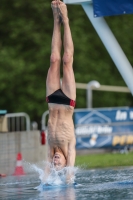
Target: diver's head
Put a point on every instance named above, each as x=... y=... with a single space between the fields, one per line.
x=59 y=160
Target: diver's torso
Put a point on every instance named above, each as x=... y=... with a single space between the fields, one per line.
x=60 y=127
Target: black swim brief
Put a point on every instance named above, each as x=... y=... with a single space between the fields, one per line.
x=60 y=98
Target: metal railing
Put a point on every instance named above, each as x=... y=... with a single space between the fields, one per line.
x=18 y=122
x=107 y=88
x=95 y=85
x=45 y=114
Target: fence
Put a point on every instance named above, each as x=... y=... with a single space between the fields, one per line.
x=18 y=122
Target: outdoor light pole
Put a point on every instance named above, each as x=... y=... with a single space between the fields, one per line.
x=90 y=86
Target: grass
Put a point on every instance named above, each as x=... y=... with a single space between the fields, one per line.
x=104 y=160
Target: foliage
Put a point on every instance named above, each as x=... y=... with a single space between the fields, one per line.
x=25 y=42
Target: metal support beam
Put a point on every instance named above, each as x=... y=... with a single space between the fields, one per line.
x=111 y=45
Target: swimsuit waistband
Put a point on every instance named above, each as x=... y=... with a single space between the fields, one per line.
x=60 y=98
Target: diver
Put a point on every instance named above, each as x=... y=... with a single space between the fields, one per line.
x=61 y=95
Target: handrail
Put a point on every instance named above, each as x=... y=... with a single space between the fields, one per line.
x=44 y=119
x=104 y=88
x=22 y=114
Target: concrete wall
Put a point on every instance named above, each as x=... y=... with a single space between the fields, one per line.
x=27 y=143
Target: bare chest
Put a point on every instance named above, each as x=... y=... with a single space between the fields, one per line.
x=61 y=133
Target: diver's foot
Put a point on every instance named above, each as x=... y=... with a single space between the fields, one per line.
x=55 y=9
x=63 y=11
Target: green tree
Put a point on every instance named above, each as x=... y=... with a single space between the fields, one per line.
x=25 y=43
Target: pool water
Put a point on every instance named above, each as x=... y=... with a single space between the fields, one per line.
x=99 y=184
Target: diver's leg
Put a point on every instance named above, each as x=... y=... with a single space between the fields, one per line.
x=53 y=76
x=68 y=81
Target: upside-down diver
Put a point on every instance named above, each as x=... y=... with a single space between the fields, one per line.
x=61 y=96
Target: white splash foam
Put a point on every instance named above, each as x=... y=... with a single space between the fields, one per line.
x=55 y=178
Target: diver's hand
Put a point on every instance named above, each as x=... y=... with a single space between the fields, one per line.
x=69 y=179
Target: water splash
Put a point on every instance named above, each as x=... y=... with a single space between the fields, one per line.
x=56 y=178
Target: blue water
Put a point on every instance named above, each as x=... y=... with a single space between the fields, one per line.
x=100 y=184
